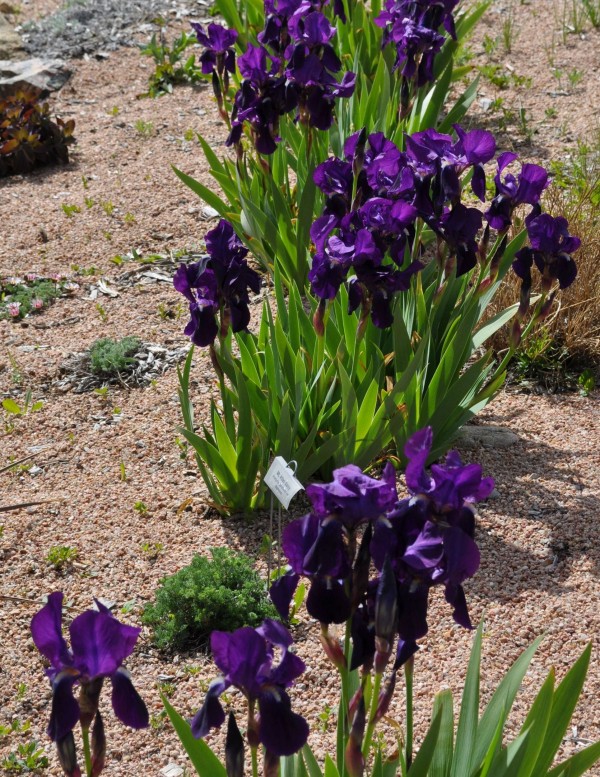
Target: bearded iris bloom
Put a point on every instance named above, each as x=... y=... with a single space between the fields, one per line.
x=320 y=545
x=219 y=54
x=512 y=191
x=428 y=537
x=246 y=658
x=99 y=645
x=217 y=284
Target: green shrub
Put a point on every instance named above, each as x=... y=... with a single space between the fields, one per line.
x=224 y=593
x=111 y=357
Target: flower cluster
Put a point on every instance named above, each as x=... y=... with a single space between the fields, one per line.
x=294 y=68
x=217 y=285
x=376 y=193
x=246 y=658
x=99 y=645
x=413 y=28
x=416 y=543
x=374 y=197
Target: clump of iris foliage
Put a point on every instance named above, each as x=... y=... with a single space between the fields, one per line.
x=370 y=560
x=110 y=357
x=223 y=591
x=365 y=203
x=30 y=294
x=28 y=136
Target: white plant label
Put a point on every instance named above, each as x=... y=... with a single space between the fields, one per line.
x=281 y=480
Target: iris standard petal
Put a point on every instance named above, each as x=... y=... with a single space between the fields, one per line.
x=101 y=643
x=46 y=630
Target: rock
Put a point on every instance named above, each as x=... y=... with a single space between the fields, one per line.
x=488 y=436
x=47 y=76
x=11 y=46
x=171 y=770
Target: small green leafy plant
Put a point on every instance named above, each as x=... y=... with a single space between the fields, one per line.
x=30 y=294
x=172 y=65
x=28 y=758
x=222 y=592
x=61 y=557
x=110 y=357
x=28 y=136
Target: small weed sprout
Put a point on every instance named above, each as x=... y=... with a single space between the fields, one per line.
x=129 y=218
x=89 y=202
x=509 y=31
x=575 y=77
x=21 y=691
x=140 y=507
x=189 y=135
x=101 y=310
x=152 y=550
x=114 y=111
x=61 y=557
x=122 y=472
x=144 y=128
x=70 y=210
x=107 y=206
x=28 y=758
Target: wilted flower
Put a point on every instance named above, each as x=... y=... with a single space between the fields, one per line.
x=99 y=645
x=246 y=658
x=217 y=284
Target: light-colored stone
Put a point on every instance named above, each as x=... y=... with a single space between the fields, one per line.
x=488 y=436
x=47 y=76
x=172 y=770
x=11 y=46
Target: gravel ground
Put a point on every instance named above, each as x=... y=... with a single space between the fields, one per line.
x=540 y=552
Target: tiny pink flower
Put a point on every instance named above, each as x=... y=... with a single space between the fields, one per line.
x=14 y=309
x=37 y=304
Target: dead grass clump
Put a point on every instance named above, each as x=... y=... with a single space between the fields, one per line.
x=574 y=325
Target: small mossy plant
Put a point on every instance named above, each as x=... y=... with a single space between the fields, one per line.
x=110 y=357
x=223 y=592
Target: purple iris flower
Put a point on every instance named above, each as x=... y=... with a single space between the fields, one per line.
x=428 y=537
x=320 y=545
x=511 y=191
x=550 y=251
x=459 y=227
x=374 y=288
x=246 y=658
x=218 y=42
x=216 y=284
x=99 y=645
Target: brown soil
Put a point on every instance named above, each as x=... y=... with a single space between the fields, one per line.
x=540 y=556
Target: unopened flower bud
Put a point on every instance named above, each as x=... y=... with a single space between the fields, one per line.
x=89 y=695
x=98 y=746
x=319 y=318
x=360 y=572
x=546 y=307
x=385 y=697
x=359 y=152
x=270 y=765
x=386 y=615
x=354 y=759
x=67 y=755
x=333 y=649
x=234 y=749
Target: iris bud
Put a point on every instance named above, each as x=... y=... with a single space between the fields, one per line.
x=234 y=749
